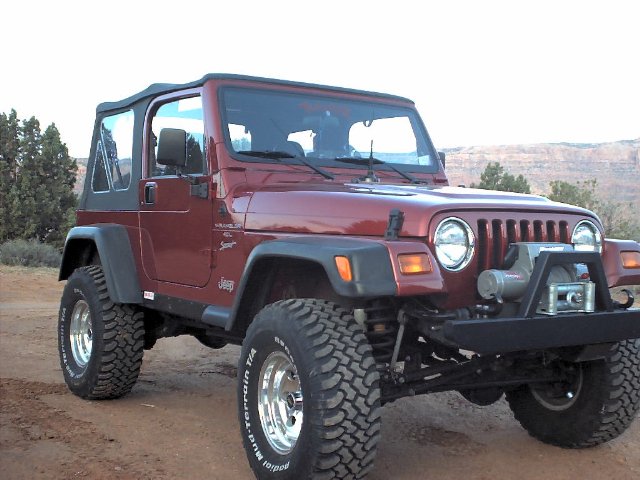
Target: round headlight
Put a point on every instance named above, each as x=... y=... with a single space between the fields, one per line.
x=586 y=237
x=455 y=243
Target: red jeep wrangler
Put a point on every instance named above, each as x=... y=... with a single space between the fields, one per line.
x=315 y=226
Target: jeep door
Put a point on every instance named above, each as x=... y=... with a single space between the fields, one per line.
x=175 y=213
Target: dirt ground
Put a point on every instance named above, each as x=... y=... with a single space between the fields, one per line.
x=179 y=422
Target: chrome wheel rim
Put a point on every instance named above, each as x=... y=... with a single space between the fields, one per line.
x=560 y=396
x=81 y=333
x=280 y=402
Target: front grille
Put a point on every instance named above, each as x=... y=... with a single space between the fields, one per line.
x=494 y=237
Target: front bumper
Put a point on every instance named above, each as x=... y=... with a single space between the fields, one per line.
x=504 y=335
x=529 y=331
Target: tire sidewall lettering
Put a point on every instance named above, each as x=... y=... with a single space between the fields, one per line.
x=74 y=291
x=117 y=338
x=270 y=461
x=338 y=380
x=249 y=423
x=74 y=371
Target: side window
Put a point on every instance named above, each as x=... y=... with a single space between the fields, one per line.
x=100 y=182
x=240 y=137
x=304 y=138
x=184 y=114
x=112 y=169
x=393 y=140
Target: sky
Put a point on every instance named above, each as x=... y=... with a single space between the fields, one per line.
x=481 y=72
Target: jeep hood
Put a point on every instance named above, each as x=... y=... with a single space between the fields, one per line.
x=363 y=209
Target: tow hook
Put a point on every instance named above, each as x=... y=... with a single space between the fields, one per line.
x=628 y=303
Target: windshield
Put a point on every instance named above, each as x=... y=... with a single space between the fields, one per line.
x=323 y=130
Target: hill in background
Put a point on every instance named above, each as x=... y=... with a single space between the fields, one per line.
x=616 y=166
x=80 y=176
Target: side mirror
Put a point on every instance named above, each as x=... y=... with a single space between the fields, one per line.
x=172 y=147
x=443 y=158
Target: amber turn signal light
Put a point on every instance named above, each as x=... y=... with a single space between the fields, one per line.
x=630 y=259
x=344 y=268
x=414 y=263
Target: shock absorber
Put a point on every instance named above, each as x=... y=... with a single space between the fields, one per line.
x=381 y=329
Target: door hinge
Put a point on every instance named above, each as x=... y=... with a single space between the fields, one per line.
x=200 y=190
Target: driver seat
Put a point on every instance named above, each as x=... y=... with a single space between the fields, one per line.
x=294 y=148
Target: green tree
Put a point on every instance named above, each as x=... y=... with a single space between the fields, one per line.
x=490 y=177
x=495 y=177
x=617 y=218
x=241 y=144
x=37 y=176
x=9 y=141
x=25 y=190
x=56 y=204
x=580 y=194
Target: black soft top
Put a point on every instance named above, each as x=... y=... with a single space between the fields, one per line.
x=162 y=88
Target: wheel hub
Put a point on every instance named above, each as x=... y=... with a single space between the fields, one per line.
x=81 y=333
x=560 y=395
x=280 y=402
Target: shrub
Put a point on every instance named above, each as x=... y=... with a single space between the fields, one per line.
x=29 y=253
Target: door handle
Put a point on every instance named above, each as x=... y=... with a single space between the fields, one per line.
x=150 y=193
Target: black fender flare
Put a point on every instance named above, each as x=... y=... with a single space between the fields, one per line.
x=370 y=265
x=118 y=263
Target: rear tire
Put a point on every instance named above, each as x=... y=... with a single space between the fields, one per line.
x=596 y=406
x=100 y=342
x=308 y=393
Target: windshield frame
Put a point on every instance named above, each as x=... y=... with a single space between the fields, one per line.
x=408 y=108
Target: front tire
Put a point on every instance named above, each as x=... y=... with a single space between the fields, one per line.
x=596 y=405
x=100 y=342
x=308 y=393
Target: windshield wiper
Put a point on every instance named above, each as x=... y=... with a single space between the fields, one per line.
x=406 y=175
x=375 y=161
x=280 y=155
x=274 y=154
x=358 y=161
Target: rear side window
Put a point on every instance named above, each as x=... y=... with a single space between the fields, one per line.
x=100 y=182
x=114 y=152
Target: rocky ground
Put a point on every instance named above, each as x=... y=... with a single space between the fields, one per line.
x=179 y=422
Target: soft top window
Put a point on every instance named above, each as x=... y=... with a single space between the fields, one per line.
x=113 y=153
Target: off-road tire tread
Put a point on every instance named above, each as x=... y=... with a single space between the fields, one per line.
x=349 y=408
x=121 y=359
x=613 y=416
